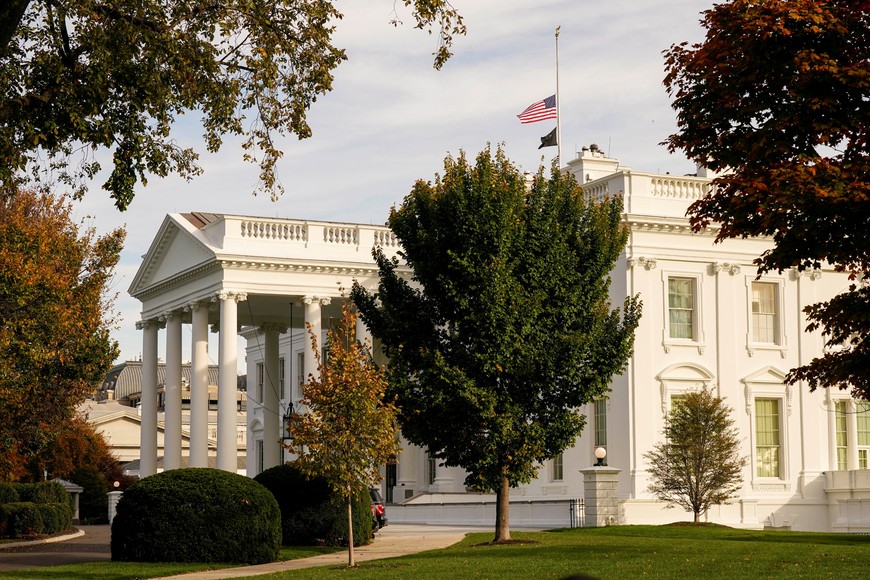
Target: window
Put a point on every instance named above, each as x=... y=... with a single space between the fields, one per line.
x=430 y=469
x=261 y=374
x=840 y=428
x=863 y=435
x=558 y=467
x=764 y=315
x=600 y=422
x=681 y=308
x=300 y=369
x=767 y=438
x=281 y=378
x=259 y=456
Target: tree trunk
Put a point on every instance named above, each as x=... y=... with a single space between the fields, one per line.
x=350 y=560
x=11 y=13
x=697 y=517
x=502 y=511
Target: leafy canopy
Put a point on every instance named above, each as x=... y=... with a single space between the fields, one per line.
x=698 y=465
x=54 y=328
x=82 y=75
x=777 y=98
x=505 y=327
x=348 y=428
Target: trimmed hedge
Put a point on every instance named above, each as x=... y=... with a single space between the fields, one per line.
x=94 y=499
x=196 y=515
x=42 y=492
x=19 y=519
x=311 y=514
x=8 y=494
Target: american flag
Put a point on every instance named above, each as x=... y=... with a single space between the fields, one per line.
x=540 y=111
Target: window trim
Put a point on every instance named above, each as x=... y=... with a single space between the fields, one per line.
x=697 y=340
x=780 y=338
x=558 y=470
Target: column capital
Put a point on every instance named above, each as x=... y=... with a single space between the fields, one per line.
x=170 y=315
x=154 y=322
x=230 y=295
x=648 y=263
x=323 y=300
x=732 y=269
x=273 y=327
x=197 y=304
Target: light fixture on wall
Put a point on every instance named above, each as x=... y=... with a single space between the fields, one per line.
x=287 y=435
x=600 y=455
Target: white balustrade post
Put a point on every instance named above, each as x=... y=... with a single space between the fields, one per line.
x=148 y=401
x=172 y=393
x=199 y=386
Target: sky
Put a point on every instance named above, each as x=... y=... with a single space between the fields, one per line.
x=391 y=118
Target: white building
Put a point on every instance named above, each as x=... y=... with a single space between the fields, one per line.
x=707 y=322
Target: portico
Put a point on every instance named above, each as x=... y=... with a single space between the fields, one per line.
x=270 y=277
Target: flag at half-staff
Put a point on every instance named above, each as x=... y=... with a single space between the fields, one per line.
x=539 y=111
x=549 y=140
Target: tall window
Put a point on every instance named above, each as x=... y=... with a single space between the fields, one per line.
x=681 y=308
x=281 y=378
x=600 y=416
x=863 y=435
x=558 y=467
x=259 y=456
x=840 y=427
x=300 y=368
x=261 y=375
x=764 y=319
x=768 y=444
x=430 y=469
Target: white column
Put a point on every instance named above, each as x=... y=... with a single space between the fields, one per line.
x=406 y=471
x=199 y=386
x=364 y=336
x=271 y=405
x=852 y=434
x=172 y=393
x=443 y=477
x=227 y=428
x=313 y=325
x=832 y=430
x=148 y=403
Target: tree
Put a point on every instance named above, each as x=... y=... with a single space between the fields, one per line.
x=777 y=98
x=54 y=327
x=699 y=464
x=505 y=328
x=349 y=428
x=79 y=75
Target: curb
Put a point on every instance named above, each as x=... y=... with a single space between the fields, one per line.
x=76 y=534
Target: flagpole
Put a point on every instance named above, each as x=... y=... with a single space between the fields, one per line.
x=558 y=104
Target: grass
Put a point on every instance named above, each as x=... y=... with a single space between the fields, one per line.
x=616 y=552
x=629 y=552
x=135 y=570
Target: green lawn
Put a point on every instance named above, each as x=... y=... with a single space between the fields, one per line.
x=631 y=552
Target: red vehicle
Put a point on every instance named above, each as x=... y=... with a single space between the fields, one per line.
x=379 y=514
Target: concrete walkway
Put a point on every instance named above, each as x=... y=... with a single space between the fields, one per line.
x=91 y=544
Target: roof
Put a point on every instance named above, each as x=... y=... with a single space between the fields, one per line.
x=126 y=378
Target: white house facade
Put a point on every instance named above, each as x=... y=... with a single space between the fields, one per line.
x=707 y=322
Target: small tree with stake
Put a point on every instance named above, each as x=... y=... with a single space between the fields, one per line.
x=348 y=429
x=699 y=464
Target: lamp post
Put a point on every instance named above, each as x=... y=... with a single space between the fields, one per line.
x=286 y=433
x=600 y=455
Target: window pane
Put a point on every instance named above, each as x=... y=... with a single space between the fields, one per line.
x=863 y=410
x=681 y=305
x=557 y=468
x=764 y=312
x=600 y=422
x=840 y=422
x=767 y=446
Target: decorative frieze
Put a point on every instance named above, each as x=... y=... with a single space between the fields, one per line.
x=732 y=269
x=646 y=263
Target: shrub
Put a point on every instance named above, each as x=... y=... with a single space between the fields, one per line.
x=25 y=518
x=311 y=514
x=93 y=501
x=196 y=515
x=42 y=492
x=8 y=493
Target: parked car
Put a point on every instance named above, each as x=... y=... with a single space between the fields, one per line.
x=379 y=514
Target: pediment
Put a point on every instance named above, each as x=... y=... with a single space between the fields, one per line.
x=769 y=375
x=686 y=372
x=174 y=251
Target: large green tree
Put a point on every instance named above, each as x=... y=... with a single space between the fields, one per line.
x=348 y=427
x=55 y=319
x=698 y=465
x=81 y=75
x=505 y=328
x=777 y=98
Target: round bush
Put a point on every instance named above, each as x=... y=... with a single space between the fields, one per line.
x=311 y=514
x=196 y=515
